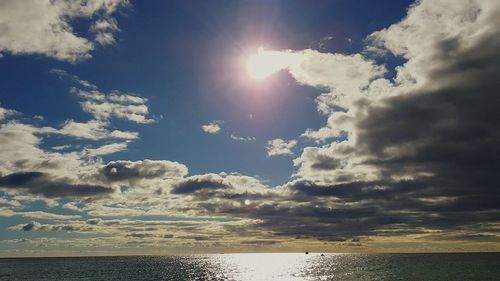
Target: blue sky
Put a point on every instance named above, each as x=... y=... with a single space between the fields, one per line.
x=175 y=54
x=133 y=120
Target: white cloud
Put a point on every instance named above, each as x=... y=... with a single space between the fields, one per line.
x=116 y=104
x=212 y=127
x=4 y=113
x=61 y=147
x=93 y=130
x=242 y=139
x=103 y=107
x=345 y=75
x=338 y=122
x=12 y=203
x=71 y=206
x=280 y=147
x=43 y=27
x=5 y=212
x=104 y=29
x=105 y=149
x=427 y=25
x=354 y=82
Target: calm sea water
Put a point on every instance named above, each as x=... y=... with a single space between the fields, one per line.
x=258 y=267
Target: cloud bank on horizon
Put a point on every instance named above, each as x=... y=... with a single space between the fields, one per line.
x=407 y=159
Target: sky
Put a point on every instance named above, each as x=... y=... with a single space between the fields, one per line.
x=174 y=127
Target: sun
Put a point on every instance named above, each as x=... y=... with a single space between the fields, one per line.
x=263 y=64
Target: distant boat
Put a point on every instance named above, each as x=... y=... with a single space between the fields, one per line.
x=322 y=255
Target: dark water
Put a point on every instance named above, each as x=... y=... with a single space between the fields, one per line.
x=258 y=267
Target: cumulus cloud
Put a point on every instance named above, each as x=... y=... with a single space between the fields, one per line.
x=339 y=123
x=419 y=151
x=196 y=183
x=44 y=27
x=221 y=193
x=212 y=127
x=116 y=171
x=280 y=147
x=44 y=184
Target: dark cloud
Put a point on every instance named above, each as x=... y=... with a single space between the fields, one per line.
x=325 y=162
x=45 y=184
x=446 y=137
x=260 y=242
x=139 y=235
x=436 y=148
x=197 y=237
x=192 y=185
x=94 y=221
x=30 y=226
x=146 y=169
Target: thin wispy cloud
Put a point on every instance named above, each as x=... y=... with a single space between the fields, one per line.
x=235 y=137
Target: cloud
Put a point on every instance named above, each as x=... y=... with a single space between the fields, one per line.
x=4 y=212
x=4 y=113
x=197 y=183
x=213 y=194
x=36 y=226
x=116 y=104
x=105 y=149
x=280 y=147
x=64 y=74
x=420 y=150
x=102 y=106
x=242 y=139
x=338 y=123
x=322 y=43
x=212 y=127
x=44 y=184
x=346 y=74
x=31 y=226
x=93 y=130
x=104 y=29
x=117 y=171
x=11 y=203
x=44 y=27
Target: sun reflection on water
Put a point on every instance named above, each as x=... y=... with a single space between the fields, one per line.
x=273 y=266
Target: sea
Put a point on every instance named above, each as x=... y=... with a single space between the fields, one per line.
x=275 y=266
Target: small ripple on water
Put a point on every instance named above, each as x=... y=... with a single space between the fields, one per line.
x=288 y=267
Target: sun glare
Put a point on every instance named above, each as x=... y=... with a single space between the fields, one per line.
x=264 y=63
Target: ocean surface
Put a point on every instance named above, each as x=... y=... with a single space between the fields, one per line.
x=462 y=267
